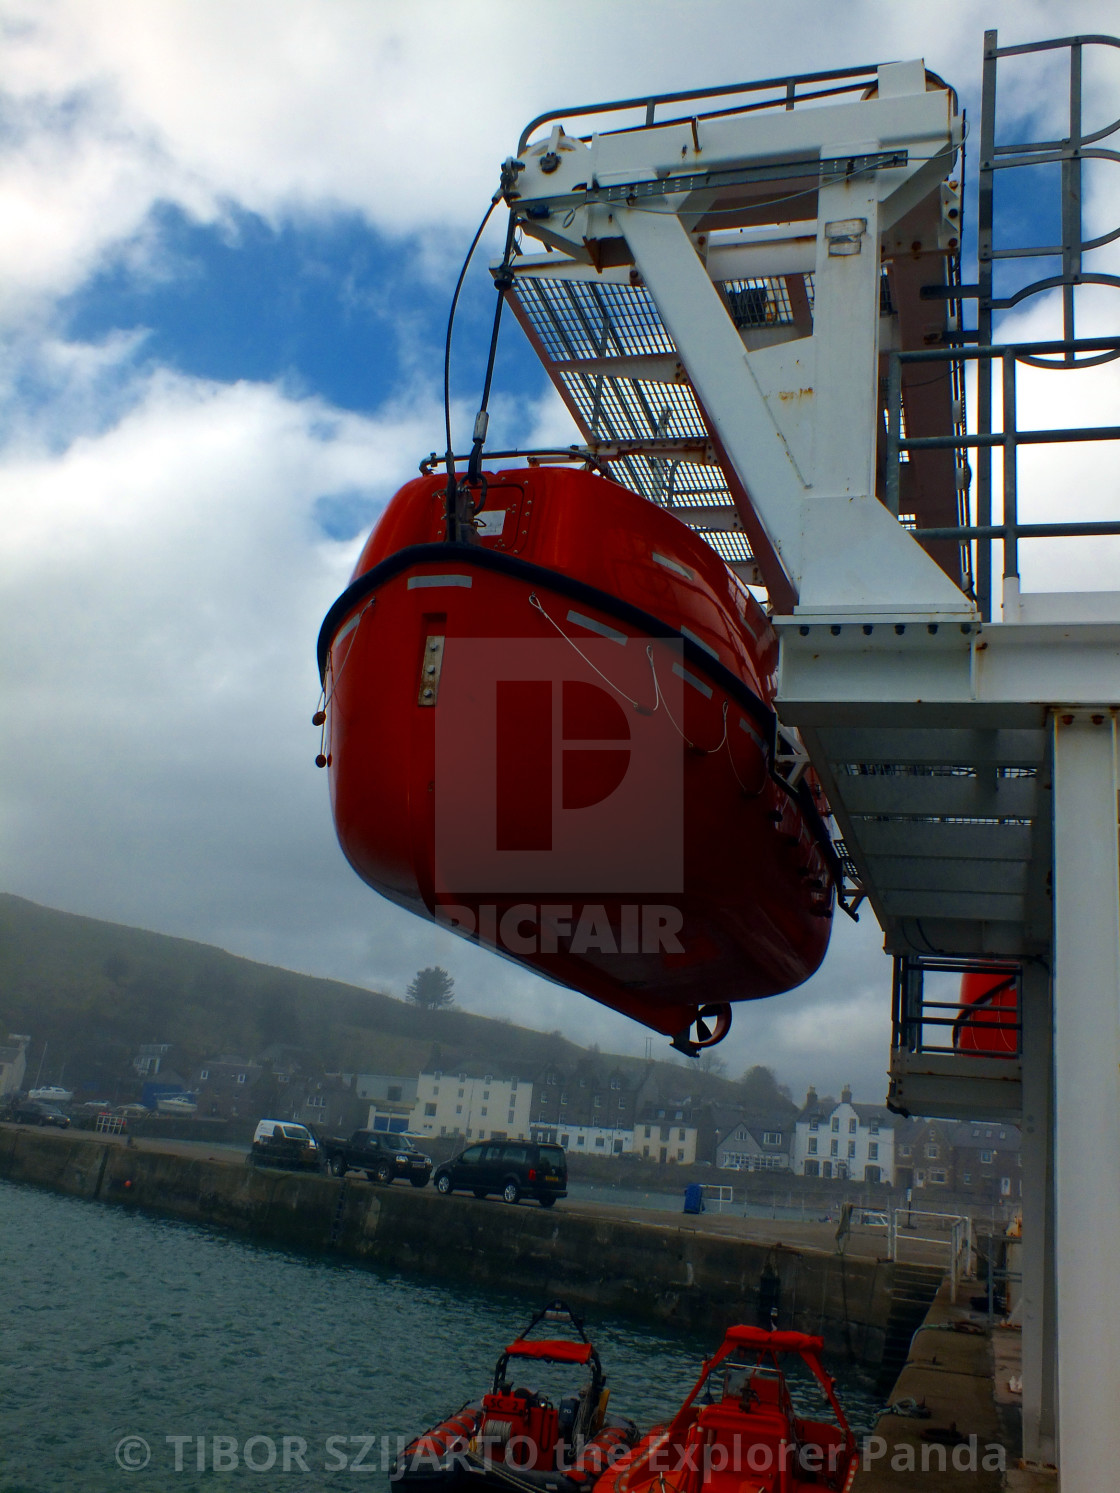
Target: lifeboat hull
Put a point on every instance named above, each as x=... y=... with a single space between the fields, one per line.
x=989 y=1019
x=559 y=741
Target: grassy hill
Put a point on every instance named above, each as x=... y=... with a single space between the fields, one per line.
x=94 y=991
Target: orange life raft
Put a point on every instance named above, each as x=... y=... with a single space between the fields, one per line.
x=559 y=740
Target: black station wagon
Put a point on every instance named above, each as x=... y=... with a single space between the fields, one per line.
x=512 y=1168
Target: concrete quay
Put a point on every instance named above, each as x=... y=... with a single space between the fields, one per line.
x=696 y=1273
x=971 y=1438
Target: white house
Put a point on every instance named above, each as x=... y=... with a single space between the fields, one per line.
x=587 y=1140
x=13 y=1064
x=477 y=1106
x=845 y=1140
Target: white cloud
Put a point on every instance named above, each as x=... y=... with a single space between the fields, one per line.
x=162 y=579
x=402 y=113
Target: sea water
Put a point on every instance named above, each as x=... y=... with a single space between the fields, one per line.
x=144 y=1354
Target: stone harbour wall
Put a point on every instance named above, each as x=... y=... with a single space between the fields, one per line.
x=675 y=1273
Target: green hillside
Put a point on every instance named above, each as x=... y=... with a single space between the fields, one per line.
x=94 y=991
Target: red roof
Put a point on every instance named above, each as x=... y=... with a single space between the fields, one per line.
x=554 y=1348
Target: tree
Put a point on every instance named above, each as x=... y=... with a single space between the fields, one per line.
x=762 y=1091
x=431 y=989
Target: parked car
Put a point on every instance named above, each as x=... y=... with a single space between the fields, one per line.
x=38 y=1112
x=514 y=1169
x=381 y=1155
x=284 y=1143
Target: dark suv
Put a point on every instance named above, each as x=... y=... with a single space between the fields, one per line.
x=513 y=1168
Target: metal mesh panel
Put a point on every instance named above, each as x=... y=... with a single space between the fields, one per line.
x=579 y=319
x=732 y=545
x=632 y=408
x=758 y=303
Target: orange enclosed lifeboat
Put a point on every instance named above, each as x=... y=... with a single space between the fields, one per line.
x=558 y=739
x=989 y=1019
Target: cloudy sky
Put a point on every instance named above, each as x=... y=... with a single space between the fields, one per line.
x=228 y=235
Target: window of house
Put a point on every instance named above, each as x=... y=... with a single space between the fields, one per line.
x=616 y=1083
x=678 y=1114
x=598 y=1101
x=513 y=1083
x=241 y=1078
x=489 y=1078
x=851 y=1148
x=435 y=1088
x=834 y=1148
x=874 y=1127
x=986 y=1157
x=622 y=1103
x=966 y=1178
x=680 y=1135
x=509 y=1118
x=565 y=1139
x=563 y=1098
x=316 y=1101
x=551 y=1078
x=460 y=1093
x=933 y=1152
x=771 y=1137
x=873 y=1150
x=429 y=1109
x=812 y=1168
x=458 y=1109
x=814 y=1125
x=812 y=1145
x=904 y=1150
x=836 y=1122
x=462 y=1078
x=394 y=1093
x=937 y=1174
x=680 y=1154
x=600 y=1142
x=852 y=1126
x=486 y=1093
x=205 y=1073
x=484 y=1109
x=647 y=1136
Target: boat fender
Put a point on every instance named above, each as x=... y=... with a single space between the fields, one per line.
x=595 y=1457
x=600 y=1412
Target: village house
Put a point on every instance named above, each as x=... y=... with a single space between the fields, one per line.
x=13 y=1064
x=757 y=1143
x=845 y=1140
x=473 y=1104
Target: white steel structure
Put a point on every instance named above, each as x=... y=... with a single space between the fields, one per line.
x=721 y=298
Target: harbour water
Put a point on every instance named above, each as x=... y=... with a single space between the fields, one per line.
x=144 y=1354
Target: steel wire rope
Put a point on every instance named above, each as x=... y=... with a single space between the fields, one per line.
x=658 y=695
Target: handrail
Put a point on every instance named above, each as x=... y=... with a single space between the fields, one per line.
x=650 y=102
x=1039 y=354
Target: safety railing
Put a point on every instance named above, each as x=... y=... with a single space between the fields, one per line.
x=1010 y=530
x=719 y=1194
x=921 y=1023
x=786 y=92
x=949 y=1231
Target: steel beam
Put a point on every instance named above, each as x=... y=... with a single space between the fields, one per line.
x=1087 y=1086
x=1037 y=1152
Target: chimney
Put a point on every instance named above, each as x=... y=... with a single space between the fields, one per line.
x=810 y=1097
x=846 y=1094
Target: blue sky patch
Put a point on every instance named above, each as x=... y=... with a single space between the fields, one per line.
x=326 y=307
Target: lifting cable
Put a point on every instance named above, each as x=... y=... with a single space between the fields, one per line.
x=503 y=279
